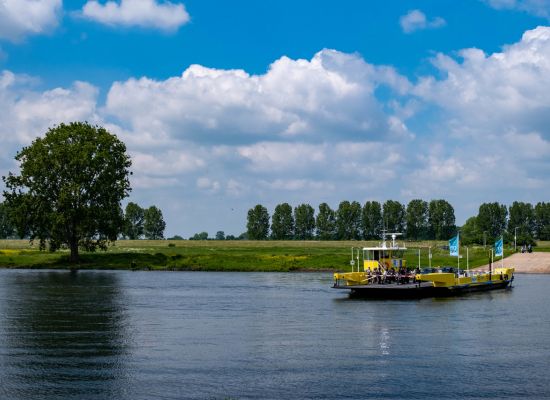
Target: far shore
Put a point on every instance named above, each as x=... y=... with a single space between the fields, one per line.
x=253 y=256
x=526 y=263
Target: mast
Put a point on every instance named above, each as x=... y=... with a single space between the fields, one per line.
x=458 y=250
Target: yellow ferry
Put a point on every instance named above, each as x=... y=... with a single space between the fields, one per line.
x=384 y=273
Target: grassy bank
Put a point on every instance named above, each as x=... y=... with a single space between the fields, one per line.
x=229 y=255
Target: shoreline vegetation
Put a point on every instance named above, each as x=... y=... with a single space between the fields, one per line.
x=242 y=256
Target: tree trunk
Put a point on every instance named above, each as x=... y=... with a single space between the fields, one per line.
x=74 y=252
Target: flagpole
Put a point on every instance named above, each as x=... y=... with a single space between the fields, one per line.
x=458 y=251
x=502 y=256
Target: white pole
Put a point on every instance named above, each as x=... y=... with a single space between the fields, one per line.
x=430 y=258
x=467 y=259
x=458 y=252
x=418 y=258
x=502 y=257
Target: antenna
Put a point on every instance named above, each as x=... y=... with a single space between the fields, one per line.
x=393 y=237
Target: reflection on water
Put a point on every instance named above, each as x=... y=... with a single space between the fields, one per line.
x=168 y=335
x=64 y=333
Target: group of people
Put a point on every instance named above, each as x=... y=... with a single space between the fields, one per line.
x=390 y=275
x=526 y=249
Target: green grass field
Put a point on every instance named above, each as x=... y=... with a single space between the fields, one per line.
x=231 y=255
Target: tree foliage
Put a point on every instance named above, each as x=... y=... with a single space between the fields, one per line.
x=257 y=223
x=326 y=222
x=441 y=220
x=304 y=220
x=348 y=221
x=153 y=223
x=220 y=235
x=199 y=236
x=417 y=219
x=282 y=222
x=176 y=237
x=542 y=221
x=491 y=219
x=521 y=223
x=7 y=230
x=371 y=220
x=134 y=217
x=394 y=216
x=70 y=187
x=470 y=233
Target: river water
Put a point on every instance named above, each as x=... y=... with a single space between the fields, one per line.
x=193 y=335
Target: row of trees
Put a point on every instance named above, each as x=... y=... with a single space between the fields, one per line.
x=521 y=222
x=419 y=220
x=142 y=223
x=138 y=223
x=220 y=235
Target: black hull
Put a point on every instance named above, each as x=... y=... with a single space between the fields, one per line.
x=418 y=291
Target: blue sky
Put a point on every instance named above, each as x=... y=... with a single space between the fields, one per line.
x=224 y=105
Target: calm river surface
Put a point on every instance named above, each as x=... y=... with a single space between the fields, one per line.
x=193 y=335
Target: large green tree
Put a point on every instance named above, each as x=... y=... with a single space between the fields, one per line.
x=372 y=220
x=491 y=219
x=542 y=221
x=7 y=229
x=134 y=217
x=348 y=221
x=304 y=221
x=470 y=233
x=394 y=216
x=257 y=223
x=325 y=222
x=153 y=223
x=282 y=222
x=441 y=220
x=417 y=219
x=521 y=223
x=70 y=187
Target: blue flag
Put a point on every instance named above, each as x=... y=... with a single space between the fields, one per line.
x=453 y=246
x=498 y=248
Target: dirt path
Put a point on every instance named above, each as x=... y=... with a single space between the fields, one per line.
x=533 y=263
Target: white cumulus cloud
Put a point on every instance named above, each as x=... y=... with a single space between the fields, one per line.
x=331 y=95
x=166 y=16
x=26 y=113
x=21 y=18
x=495 y=92
x=416 y=20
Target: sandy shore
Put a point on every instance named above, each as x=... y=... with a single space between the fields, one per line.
x=534 y=263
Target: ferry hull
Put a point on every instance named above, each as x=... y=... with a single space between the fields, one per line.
x=416 y=291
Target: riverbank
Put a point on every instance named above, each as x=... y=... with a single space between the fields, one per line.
x=527 y=263
x=265 y=256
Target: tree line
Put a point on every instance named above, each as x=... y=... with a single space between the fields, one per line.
x=418 y=220
x=137 y=223
x=522 y=223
